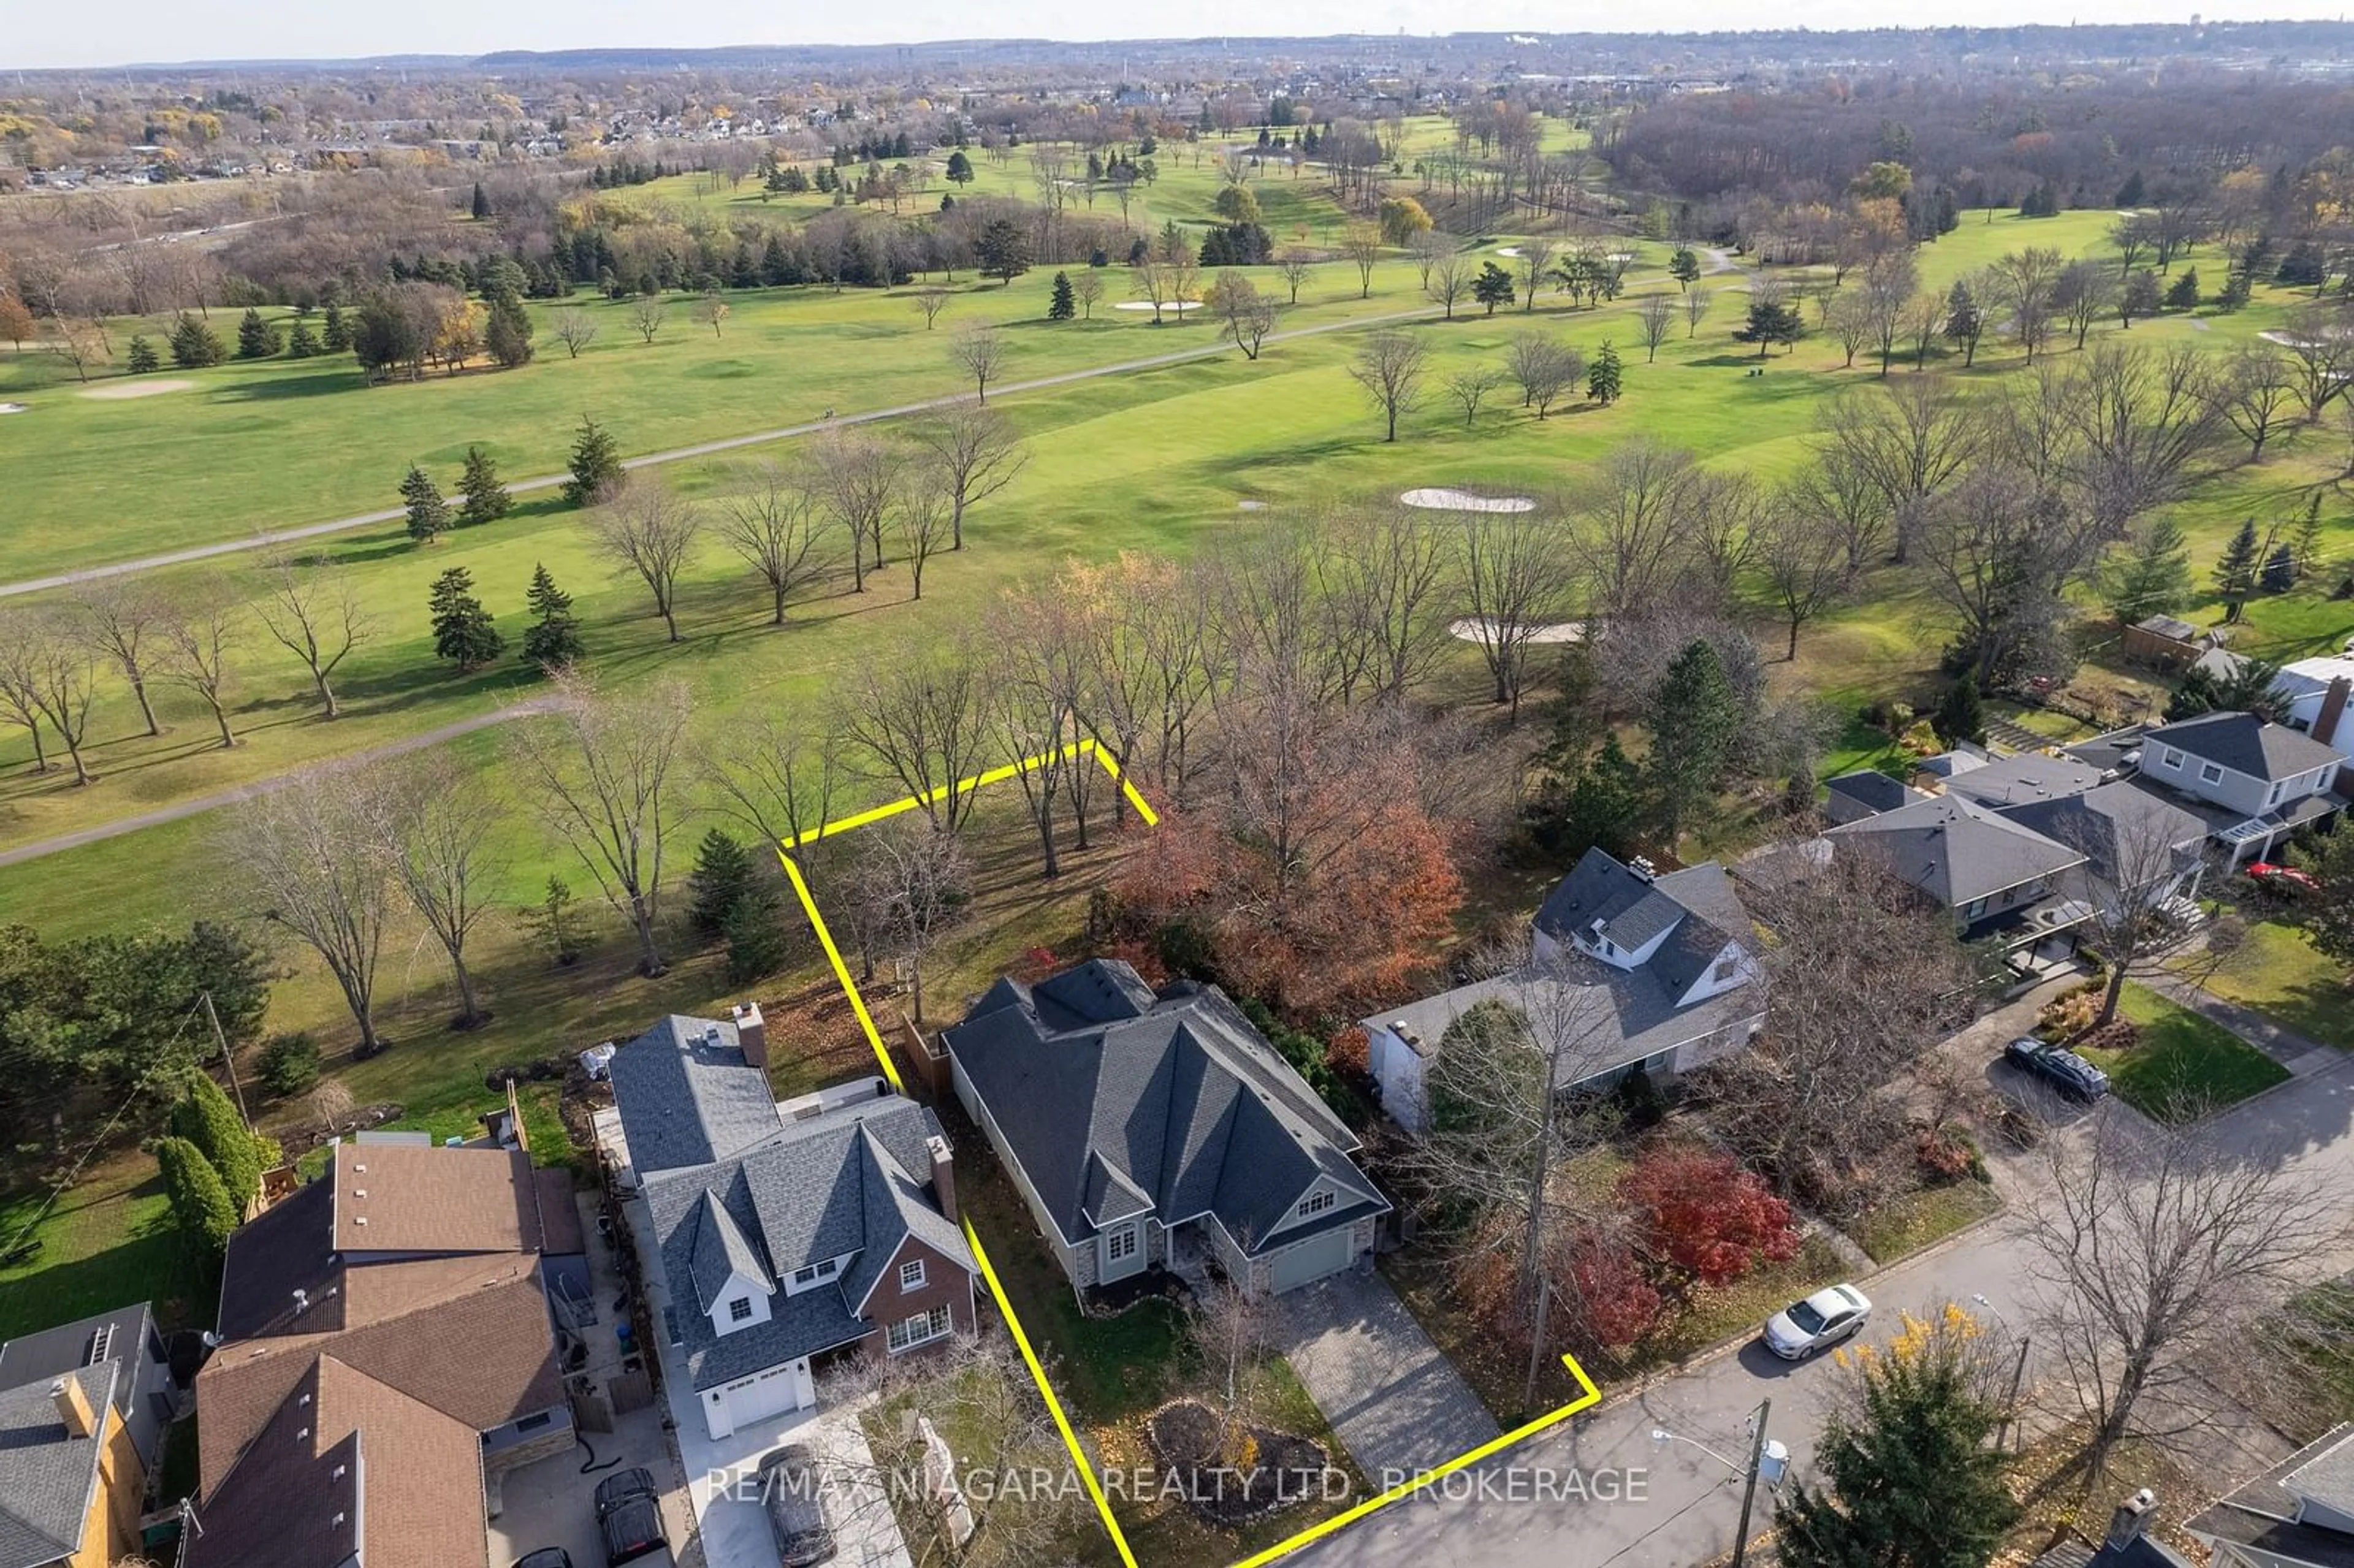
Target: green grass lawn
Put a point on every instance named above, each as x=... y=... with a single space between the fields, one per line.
x=2184 y=1064
x=1905 y=1225
x=2282 y=976
x=108 y=1241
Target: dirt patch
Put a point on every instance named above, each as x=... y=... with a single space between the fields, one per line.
x=1444 y=500
x=1273 y=1470
x=1475 y=629
x=123 y=389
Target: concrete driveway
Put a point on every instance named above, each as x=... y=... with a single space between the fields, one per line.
x=550 y=1503
x=1398 y=1405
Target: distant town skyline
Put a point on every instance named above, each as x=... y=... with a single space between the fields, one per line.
x=52 y=36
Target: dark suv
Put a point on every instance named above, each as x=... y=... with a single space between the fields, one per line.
x=629 y=1516
x=790 y=1494
x=2064 y=1070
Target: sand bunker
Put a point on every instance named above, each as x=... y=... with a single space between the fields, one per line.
x=12 y=407
x=1476 y=630
x=123 y=389
x=1147 y=304
x=1250 y=506
x=1621 y=257
x=1508 y=251
x=1464 y=500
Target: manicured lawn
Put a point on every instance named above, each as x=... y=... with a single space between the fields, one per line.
x=2184 y=1064
x=2282 y=976
x=109 y=1241
x=1905 y=1225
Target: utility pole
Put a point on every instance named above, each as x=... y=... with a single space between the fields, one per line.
x=1749 y=1487
x=228 y=1060
x=2011 y=1402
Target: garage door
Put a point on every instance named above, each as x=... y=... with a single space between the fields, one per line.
x=1327 y=1253
x=777 y=1390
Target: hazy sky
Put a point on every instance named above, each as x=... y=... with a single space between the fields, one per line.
x=48 y=33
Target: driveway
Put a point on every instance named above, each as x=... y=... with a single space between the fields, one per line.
x=549 y=1503
x=1397 y=1404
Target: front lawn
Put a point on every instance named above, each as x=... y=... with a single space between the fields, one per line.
x=2281 y=975
x=2184 y=1064
x=1904 y=1224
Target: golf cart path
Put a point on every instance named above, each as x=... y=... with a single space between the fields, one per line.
x=679 y=454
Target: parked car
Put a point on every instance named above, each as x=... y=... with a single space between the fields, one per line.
x=1819 y=1322
x=2284 y=879
x=545 y=1557
x=629 y=1516
x=2063 y=1069
x=789 y=1495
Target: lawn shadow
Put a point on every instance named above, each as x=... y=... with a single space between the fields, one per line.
x=316 y=383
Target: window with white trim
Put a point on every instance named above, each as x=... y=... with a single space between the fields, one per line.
x=2210 y=773
x=920 y=1330
x=2171 y=759
x=911 y=1275
x=1316 y=1202
x=739 y=1309
x=2274 y=798
x=817 y=1271
x=1121 y=1244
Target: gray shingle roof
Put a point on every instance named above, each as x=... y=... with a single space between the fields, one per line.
x=2030 y=776
x=1873 y=790
x=2327 y=1474
x=2259 y=1514
x=122 y=1335
x=2098 y=821
x=688 y=1099
x=47 y=1479
x=1955 y=850
x=1094 y=1081
x=721 y=1253
x=2246 y=744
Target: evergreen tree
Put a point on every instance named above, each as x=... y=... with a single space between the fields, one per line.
x=553 y=640
x=2248 y=689
x=722 y=877
x=1958 y=715
x=1684 y=267
x=201 y=1206
x=143 y=356
x=1493 y=287
x=1695 y=720
x=462 y=628
x=334 y=333
x=302 y=341
x=1606 y=379
x=959 y=168
x=2182 y=294
x=755 y=938
x=1771 y=322
x=1909 y=1478
x=1064 y=305
x=481 y=201
x=2280 y=570
x=2308 y=538
x=1964 y=325
x=508 y=337
x=205 y=1117
x=596 y=464
x=194 y=346
x=256 y=338
x=2131 y=194
x=2141 y=299
x=2235 y=574
x=1003 y=251
x=2154 y=577
x=429 y=514
x=1602 y=808
x=487 y=500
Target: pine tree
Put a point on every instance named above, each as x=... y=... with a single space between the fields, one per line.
x=143 y=356
x=1695 y=718
x=194 y=346
x=722 y=877
x=508 y=337
x=553 y=640
x=1684 y=267
x=481 y=201
x=334 y=333
x=1602 y=807
x=462 y=629
x=301 y=343
x=1771 y=322
x=256 y=338
x=2280 y=570
x=429 y=514
x=2154 y=577
x=2308 y=538
x=201 y=1206
x=596 y=464
x=2235 y=574
x=206 y=1118
x=1064 y=305
x=755 y=938
x=2182 y=294
x=1959 y=716
x=487 y=500
x=2141 y=299
x=1964 y=325
x=1606 y=380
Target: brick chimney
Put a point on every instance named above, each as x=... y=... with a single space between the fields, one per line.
x=943 y=1175
x=73 y=1407
x=2133 y=1517
x=2333 y=711
x=751 y=1034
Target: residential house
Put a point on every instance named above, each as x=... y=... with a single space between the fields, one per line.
x=2140 y=849
x=2298 y=1514
x=2127 y=1544
x=72 y=1484
x=2000 y=879
x=2317 y=692
x=1149 y=1128
x=1866 y=792
x=785 y=1234
x=145 y=1395
x=2253 y=782
x=386 y=1342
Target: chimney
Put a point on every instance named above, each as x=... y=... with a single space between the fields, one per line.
x=2132 y=1518
x=73 y=1407
x=751 y=1034
x=2333 y=710
x=943 y=1175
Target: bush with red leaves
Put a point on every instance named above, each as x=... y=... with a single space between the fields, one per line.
x=1704 y=1216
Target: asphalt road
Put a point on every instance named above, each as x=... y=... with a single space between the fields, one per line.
x=276 y=536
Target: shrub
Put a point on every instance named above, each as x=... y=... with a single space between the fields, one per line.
x=289 y=1064
x=200 y=1203
x=2068 y=1015
x=207 y=1122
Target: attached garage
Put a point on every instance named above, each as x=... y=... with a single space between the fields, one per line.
x=756 y=1398
x=1309 y=1260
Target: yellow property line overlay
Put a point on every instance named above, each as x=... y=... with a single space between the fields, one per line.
x=1588 y=1395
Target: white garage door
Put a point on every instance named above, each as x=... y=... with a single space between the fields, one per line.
x=772 y=1393
x=1327 y=1253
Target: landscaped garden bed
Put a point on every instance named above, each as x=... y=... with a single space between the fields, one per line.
x=1227 y=1476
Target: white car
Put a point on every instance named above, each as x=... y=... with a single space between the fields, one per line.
x=1819 y=1322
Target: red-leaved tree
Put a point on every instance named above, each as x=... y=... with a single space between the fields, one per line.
x=1704 y=1216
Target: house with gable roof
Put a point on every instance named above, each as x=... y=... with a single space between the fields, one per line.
x=784 y=1234
x=1141 y=1127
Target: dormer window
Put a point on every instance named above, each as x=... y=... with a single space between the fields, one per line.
x=1316 y=1202
x=740 y=1309
x=1726 y=969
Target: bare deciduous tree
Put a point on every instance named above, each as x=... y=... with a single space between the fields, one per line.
x=772 y=524
x=921 y=523
x=777 y=779
x=1653 y=319
x=931 y=299
x=1469 y=388
x=906 y=888
x=860 y=479
x=1543 y=368
x=1295 y=264
x=1389 y=368
x=314 y=613
x=1696 y=303
x=600 y=770
x=1909 y=438
x=1536 y=262
x=1362 y=244
x=646 y=314
x=1245 y=316
x=649 y=533
x=308 y=857
x=1633 y=535
x=2322 y=340
x=121 y=618
x=203 y=630
x=2256 y=395
x=1087 y=289
x=1803 y=557
x=61 y=680
x=435 y=833
x=980 y=349
x=1516 y=576
x=2144 y=420
x=978 y=452
x=1447 y=278
x=21 y=637
x=575 y=329
x=919 y=721
x=1236 y=1331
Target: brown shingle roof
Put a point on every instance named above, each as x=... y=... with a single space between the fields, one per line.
x=393 y=1197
